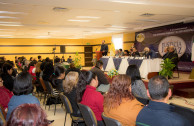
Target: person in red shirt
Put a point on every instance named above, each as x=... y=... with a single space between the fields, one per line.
x=5 y=95
x=87 y=94
x=32 y=69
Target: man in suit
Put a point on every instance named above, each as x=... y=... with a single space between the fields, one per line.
x=158 y=112
x=104 y=48
x=149 y=53
x=172 y=55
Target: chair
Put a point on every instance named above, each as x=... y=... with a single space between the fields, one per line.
x=51 y=93
x=185 y=112
x=88 y=115
x=109 y=121
x=45 y=90
x=2 y=118
x=68 y=109
x=176 y=69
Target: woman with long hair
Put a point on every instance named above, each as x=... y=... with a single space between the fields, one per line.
x=137 y=85
x=58 y=77
x=119 y=102
x=87 y=94
x=70 y=85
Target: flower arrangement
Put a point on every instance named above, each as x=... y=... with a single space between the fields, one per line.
x=77 y=60
x=112 y=73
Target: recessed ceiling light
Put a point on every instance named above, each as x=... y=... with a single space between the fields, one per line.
x=60 y=9
x=78 y=20
x=147 y=15
x=90 y=17
x=7 y=17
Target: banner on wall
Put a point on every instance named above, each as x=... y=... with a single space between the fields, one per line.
x=181 y=36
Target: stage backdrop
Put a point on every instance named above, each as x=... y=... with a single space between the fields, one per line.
x=180 y=36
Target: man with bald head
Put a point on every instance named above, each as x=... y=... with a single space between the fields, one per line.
x=172 y=55
x=149 y=53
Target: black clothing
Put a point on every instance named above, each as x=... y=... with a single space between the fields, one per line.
x=73 y=100
x=58 y=85
x=173 y=56
x=72 y=70
x=100 y=74
x=48 y=71
x=135 y=54
x=104 y=48
x=165 y=55
x=7 y=81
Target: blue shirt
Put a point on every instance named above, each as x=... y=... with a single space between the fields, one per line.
x=160 y=114
x=15 y=101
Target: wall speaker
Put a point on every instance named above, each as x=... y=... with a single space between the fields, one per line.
x=62 y=49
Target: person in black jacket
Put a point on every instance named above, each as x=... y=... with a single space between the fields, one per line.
x=172 y=55
x=100 y=74
x=6 y=76
x=135 y=53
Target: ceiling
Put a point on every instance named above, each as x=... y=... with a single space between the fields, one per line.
x=75 y=19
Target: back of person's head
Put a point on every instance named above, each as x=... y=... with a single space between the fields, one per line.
x=38 y=70
x=47 y=59
x=39 y=57
x=33 y=63
x=23 y=84
x=57 y=60
x=120 y=50
x=119 y=89
x=85 y=78
x=72 y=65
x=99 y=63
x=28 y=115
x=69 y=56
x=59 y=70
x=133 y=72
x=71 y=80
x=6 y=68
x=158 y=87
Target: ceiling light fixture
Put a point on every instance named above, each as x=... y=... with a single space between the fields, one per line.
x=9 y=12
x=129 y=2
x=8 y=17
x=78 y=20
x=90 y=17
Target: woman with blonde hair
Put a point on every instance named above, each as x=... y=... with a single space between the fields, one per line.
x=70 y=84
x=119 y=103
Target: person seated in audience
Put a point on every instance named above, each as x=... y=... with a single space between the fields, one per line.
x=70 y=85
x=39 y=87
x=39 y=59
x=44 y=62
x=31 y=59
x=172 y=55
x=126 y=53
x=135 y=53
x=87 y=94
x=48 y=71
x=119 y=103
x=149 y=53
x=14 y=73
x=72 y=68
x=69 y=60
x=166 y=50
x=58 y=77
x=5 y=94
x=32 y=69
x=62 y=59
x=121 y=53
x=138 y=88
x=158 y=112
x=28 y=115
x=100 y=74
x=57 y=62
x=22 y=90
x=116 y=52
x=6 y=76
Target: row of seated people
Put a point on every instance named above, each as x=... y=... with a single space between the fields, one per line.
x=119 y=102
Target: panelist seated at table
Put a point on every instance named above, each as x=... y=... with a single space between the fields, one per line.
x=100 y=74
x=172 y=54
x=116 y=52
x=149 y=53
x=121 y=53
x=135 y=52
x=158 y=112
x=126 y=53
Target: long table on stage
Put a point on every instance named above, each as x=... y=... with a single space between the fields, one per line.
x=121 y=64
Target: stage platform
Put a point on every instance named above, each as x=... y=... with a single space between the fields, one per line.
x=182 y=86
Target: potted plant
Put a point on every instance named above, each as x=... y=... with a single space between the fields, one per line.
x=167 y=68
x=77 y=60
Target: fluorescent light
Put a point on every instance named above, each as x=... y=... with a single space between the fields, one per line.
x=116 y=29
x=11 y=25
x=78 y=20
x=5 y=35
x=7 y=17
x=9 y=12
x=90 y=17
x=129 y=2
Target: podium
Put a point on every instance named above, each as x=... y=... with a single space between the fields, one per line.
x=98 y=55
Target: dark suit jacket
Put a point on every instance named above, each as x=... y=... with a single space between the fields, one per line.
x=100 y=74
x=173 y=56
